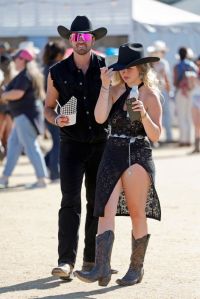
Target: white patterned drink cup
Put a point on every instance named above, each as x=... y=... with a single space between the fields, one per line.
x=69 y=110
x=72 y=119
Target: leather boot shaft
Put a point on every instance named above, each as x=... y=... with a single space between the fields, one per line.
x=139 y=248
x=135 y=272
x=102 y=269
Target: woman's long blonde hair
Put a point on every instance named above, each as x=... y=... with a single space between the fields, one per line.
x=37 y=79
x=147 y=76
x=116 y=79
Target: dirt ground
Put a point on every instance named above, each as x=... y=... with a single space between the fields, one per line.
x=28 y=238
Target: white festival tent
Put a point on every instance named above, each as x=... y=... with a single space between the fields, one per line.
x=153 y=20
x=192 y=6
x=139 y=20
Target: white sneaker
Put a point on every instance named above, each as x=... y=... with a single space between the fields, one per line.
x=3 y=182
x=63 y=271
x=38 y=184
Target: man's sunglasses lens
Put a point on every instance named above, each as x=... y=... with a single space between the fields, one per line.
x=85 y=37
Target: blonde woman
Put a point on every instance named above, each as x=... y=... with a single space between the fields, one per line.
x=127 y=162
x=22 y=95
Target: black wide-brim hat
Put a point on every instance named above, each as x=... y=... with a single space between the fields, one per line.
x=83 y=25
x=131 y=55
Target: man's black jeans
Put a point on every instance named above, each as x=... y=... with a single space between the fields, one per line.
x=76 y=160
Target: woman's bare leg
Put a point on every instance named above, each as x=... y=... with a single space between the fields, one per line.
x=108 y=221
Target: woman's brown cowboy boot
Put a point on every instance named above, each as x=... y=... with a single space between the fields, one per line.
x=135 y=272
x=102 y=269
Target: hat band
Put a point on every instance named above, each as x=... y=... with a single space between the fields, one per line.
x=84 y=37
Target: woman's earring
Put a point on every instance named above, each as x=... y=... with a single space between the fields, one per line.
x=141 y=76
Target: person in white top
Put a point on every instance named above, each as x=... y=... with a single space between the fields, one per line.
x=183 y=73
x=162 y=69
x=195 y=96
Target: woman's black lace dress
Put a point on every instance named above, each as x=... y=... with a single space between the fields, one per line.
x=119 y=154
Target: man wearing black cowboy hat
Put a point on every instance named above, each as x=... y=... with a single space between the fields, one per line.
x=82 y=143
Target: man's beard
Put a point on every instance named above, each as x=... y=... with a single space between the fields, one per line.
x=82 y=50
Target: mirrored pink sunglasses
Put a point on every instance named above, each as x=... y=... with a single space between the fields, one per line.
x=85 y=37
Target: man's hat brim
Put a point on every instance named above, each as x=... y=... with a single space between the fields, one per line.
x=98 y=33
x=118 y=67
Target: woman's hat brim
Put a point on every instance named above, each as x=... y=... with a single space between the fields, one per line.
x=98 y=33
x=118 y=67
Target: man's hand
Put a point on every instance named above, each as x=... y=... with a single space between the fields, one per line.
x=62 y=121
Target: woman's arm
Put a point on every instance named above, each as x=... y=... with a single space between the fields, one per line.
x=103 y=105
x=152 y=118
x=175 y=77
x=151 y=114
x=12 y=95
x=104 y=102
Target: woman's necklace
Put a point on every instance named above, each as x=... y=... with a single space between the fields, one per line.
x=140 y=85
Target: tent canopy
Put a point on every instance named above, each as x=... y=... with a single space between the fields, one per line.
x=153 y=20
x=192 y=6
x=157 y=13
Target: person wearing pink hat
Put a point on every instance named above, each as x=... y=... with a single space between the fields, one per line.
x=23 y=54
x=22 y=95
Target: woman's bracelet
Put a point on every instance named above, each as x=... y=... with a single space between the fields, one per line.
x=104 y=88
x=145 y=115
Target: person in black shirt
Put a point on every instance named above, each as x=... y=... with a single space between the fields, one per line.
x=24 y=95
x=53 y=52
x=81 y=144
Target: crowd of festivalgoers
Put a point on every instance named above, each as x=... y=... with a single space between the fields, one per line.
x=23 y=75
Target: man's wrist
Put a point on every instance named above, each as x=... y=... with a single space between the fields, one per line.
x=56 y=120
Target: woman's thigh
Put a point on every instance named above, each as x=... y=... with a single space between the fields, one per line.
x=136 y=184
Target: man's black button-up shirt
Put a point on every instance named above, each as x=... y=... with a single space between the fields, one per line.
x=70 y=81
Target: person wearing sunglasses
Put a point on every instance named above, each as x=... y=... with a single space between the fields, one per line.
x=81 y=144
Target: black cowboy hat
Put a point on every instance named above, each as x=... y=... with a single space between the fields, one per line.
x=131 y=55
x=5 y=58
x=83 y=25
